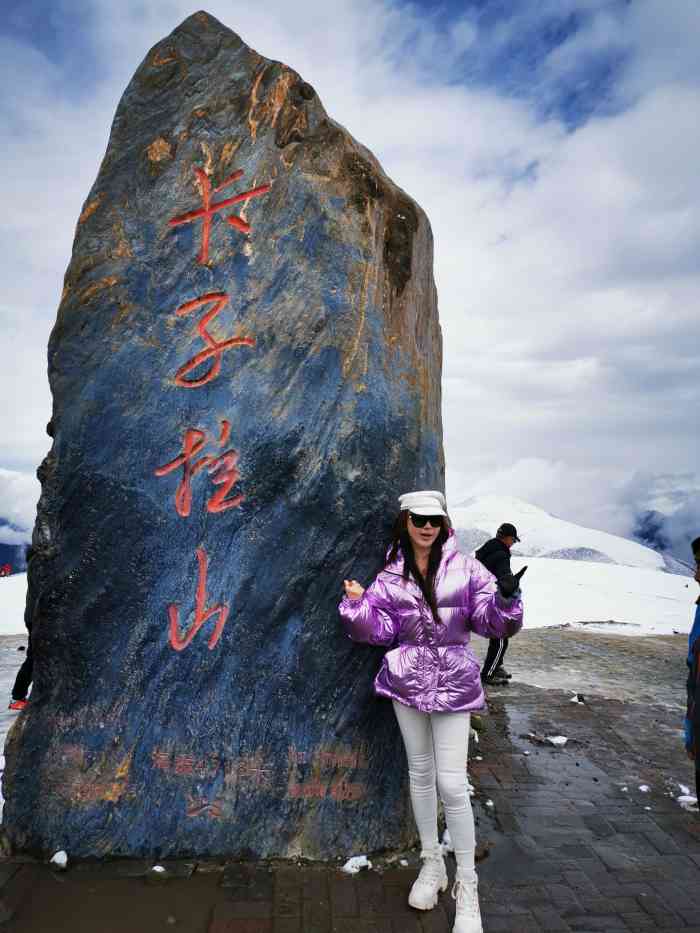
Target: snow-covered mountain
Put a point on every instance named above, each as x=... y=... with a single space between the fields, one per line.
x=650 y=530
x=582 y=575
x=667 y=512
x=544 y=535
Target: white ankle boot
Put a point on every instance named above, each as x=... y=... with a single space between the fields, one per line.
x=468 y=916
x=431 y=880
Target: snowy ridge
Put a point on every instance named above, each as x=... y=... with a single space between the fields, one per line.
x=673 y=565
x=580 y=553
x=544 y=534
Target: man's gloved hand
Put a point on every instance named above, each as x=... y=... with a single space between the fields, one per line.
x=509 y=584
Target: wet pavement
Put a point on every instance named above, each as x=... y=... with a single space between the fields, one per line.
x=587 y=660
x=587 y=836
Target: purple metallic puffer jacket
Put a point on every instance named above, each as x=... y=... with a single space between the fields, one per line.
x=430 y=665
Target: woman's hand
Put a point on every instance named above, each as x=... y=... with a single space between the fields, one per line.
x=353 y=590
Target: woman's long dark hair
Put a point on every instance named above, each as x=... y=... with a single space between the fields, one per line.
x=401 y=541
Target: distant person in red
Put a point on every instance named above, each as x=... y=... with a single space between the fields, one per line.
x=5 y=570
x=25 y=673
x=495 y=556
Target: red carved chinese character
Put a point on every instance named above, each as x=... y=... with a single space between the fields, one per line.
x=201 y=614
x=346 y=790
x=215 y=348
x=296 y=757
x=251 y=769
x=193 y=443
x=161 y=760
x=310 y=788
x=184 y=764
x=204 y=767
x=222 y=469
x=207 y=210
x=225 y=474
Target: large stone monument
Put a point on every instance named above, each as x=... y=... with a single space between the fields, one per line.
x=245 y=371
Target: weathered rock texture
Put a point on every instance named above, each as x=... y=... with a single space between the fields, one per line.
x=194 y=693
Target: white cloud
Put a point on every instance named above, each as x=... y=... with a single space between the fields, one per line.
x=676 y=497
x=599 y=496
x=19 y=494
x=566 y=262
x=665 y=42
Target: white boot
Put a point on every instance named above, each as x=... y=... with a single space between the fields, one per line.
x=468 y=916
x=431 y=880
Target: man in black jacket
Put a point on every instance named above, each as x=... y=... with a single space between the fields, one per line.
x=495 y=556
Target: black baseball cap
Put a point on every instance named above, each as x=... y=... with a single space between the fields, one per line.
x=507 y=530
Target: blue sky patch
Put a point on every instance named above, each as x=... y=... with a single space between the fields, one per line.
x=513 y=48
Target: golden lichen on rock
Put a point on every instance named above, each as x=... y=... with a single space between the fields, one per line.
x=94 y=288
x=90 y=209
x=159 y=150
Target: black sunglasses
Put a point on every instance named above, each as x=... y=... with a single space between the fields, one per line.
x=420 y=521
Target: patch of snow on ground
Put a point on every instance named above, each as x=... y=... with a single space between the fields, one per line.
x=13 y=596
x=60 y=859
x=356 y=863
x=609 y=598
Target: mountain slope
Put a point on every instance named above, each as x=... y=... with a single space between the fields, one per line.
x=581 y=575
x=544 y=535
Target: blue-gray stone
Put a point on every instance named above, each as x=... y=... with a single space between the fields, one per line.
x=249 y=729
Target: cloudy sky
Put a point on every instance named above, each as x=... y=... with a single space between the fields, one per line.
x=554 y=145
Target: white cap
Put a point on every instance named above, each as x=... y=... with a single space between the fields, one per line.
x=424 y=502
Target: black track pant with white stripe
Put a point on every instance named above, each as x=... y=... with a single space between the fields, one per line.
x=24 y=675
x=494 y=656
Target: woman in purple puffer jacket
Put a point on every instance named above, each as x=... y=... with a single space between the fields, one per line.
x=423 y=607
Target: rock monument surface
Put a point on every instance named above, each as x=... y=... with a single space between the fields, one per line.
x=245 y=370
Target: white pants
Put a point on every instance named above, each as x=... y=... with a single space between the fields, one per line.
x=436 y=748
